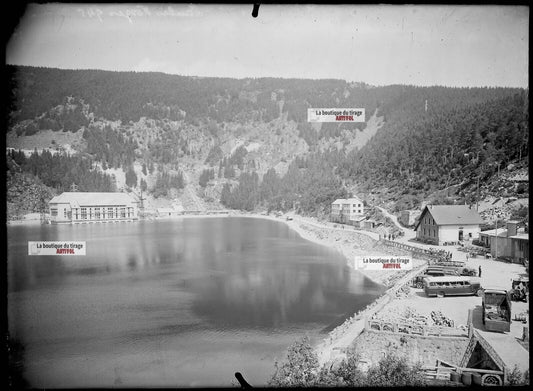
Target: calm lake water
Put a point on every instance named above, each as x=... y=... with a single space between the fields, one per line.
x=184 y=302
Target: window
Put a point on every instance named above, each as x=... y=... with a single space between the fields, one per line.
x=53 y=212
x=110 y=213
x=116 y=213
x=123 y=212
x=76 y=213
x=97 y=213
x=84 y=213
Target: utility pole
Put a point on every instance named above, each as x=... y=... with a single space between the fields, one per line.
x=42 y=209
x=496 y=244
x=496 y=239
x=477 y=195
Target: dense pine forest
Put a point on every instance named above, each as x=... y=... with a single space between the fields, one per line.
x=432 y=138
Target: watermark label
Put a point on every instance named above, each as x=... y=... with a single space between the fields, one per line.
x=335 y=115
x=56 y=248
x=383 y=263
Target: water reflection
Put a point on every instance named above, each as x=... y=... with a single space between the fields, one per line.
x=208 y=288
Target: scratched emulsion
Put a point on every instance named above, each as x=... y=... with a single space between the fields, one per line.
x=172 y=303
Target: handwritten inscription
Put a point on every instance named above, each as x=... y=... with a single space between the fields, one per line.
x=133 y=12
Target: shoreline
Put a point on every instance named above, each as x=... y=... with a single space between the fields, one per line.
x=350 y=243
x=338 y=239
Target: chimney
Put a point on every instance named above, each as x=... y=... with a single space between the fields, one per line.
x=512 y=228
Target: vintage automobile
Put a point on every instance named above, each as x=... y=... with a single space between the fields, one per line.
x=452 y=286
x=418 y=281
x=520 y=289
x=496 y=309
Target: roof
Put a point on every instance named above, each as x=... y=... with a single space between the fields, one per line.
x=352 y=200
x=448 y=278
x=77 y=199
x=340 y=201
x=492 y=232
x=452 y=215
x=520 y=236
x=495 y=290
x=502 y=233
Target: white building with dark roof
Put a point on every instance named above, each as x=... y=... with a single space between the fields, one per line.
x=439 y=224
x=81 y=207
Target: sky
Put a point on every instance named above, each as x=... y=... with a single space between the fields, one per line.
x=459 y=46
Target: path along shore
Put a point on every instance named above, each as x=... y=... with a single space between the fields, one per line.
x=351 y=243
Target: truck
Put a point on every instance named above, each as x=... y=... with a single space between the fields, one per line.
x=496 y=309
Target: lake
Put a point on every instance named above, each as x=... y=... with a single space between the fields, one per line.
x=183 y=302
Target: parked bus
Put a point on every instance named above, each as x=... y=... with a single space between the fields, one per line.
x=496 y=309
x=452 y=286
x=418 y=281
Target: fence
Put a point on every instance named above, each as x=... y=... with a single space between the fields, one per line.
x=416 y=252
x=415 y=329
x=443 y=370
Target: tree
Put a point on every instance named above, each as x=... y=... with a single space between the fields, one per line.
x=301 y=368
x=394 y=371
x=270 y=186
x=225 y=195
x=205 y=176
x=343 y=374
x=131 y=177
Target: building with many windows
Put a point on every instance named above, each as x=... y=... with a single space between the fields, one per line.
x=348 y=211
x=440 y=224
x=80 y=207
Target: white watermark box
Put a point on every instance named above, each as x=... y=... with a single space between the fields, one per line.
x=56 y=248
x=383 y=263
x=336 y=115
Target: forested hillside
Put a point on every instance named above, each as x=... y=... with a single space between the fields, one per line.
x=246 y=143
x=461 y=137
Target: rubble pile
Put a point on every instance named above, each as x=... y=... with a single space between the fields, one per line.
x=404 y=292
x=397 y=315
x=439 y=319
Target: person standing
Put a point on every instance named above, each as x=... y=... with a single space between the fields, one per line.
x=479 y=271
